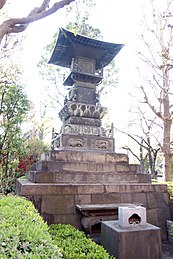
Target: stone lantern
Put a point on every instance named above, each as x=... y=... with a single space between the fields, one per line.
x=82 y=112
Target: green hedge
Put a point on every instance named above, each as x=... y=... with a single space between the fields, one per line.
x=74 y=244
x=170 y=189
x=23 y=233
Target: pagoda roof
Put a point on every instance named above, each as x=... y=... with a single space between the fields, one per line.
x=69 y=46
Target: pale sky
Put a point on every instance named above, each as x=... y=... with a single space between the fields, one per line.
x=118 y=22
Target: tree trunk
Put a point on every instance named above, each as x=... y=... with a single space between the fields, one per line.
x=167 y=122
x=167 y=150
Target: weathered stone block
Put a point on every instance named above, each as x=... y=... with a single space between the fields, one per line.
x=26 y=188
x=163 y=215
x=129 y=188
x=58 y=204
x=83 y=198
x=133 y=168
x=103 y=198
x=126 y=197
x=140 y=242
x=162 y=199
x=94 y=157
x=64 y=155
x=152 y=200
x=152 y=216
x=116 y=158
x=160 y=187
x=139 y=198
x=90 y=189
x=42 y=177
x=122 y=168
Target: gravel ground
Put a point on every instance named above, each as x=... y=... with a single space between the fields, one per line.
x=167 y=249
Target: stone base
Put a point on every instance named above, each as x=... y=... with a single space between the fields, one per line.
x=57 y=202
x=142 y=242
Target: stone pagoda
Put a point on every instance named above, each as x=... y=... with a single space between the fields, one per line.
x=84 y=180
x=82 y=112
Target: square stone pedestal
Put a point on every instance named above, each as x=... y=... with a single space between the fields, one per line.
x=142 y=242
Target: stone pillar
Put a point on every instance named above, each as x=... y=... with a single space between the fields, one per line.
x=129 y=243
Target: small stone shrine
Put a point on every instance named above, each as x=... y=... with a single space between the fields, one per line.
x=84 y=181
x=131 y=236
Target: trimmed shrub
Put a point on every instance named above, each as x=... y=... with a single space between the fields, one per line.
x=74 y=244
x=23 y=233
x=170 y=189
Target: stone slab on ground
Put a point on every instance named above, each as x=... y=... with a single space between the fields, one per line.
x=167 y=250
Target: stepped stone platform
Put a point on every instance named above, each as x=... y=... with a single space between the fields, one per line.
x=56 y=190
x=86 y=167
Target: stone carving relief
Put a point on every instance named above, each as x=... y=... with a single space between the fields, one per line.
x=83 y=130
x=102 y=144
x=82 y=110
x=75 y=142
x=68 y=129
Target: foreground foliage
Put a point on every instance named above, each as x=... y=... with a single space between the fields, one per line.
x=170 y=189
x=23 y=233
x=14 y=106
x=74 y=244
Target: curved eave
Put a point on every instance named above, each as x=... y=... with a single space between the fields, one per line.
x=69 y=45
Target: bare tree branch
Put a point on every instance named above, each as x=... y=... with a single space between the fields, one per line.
x=150 y=105
x=131 y=151
x=16 y=25
x=2 y=3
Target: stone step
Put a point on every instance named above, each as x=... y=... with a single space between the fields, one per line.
x=87 y=177
x=87 y=156
x=57 y=166
x=28 y=188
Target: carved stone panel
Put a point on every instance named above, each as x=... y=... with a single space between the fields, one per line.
x=83 y=142
x=83 y=130
x=102 y=144
x=82 y=110
x=75 y=142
